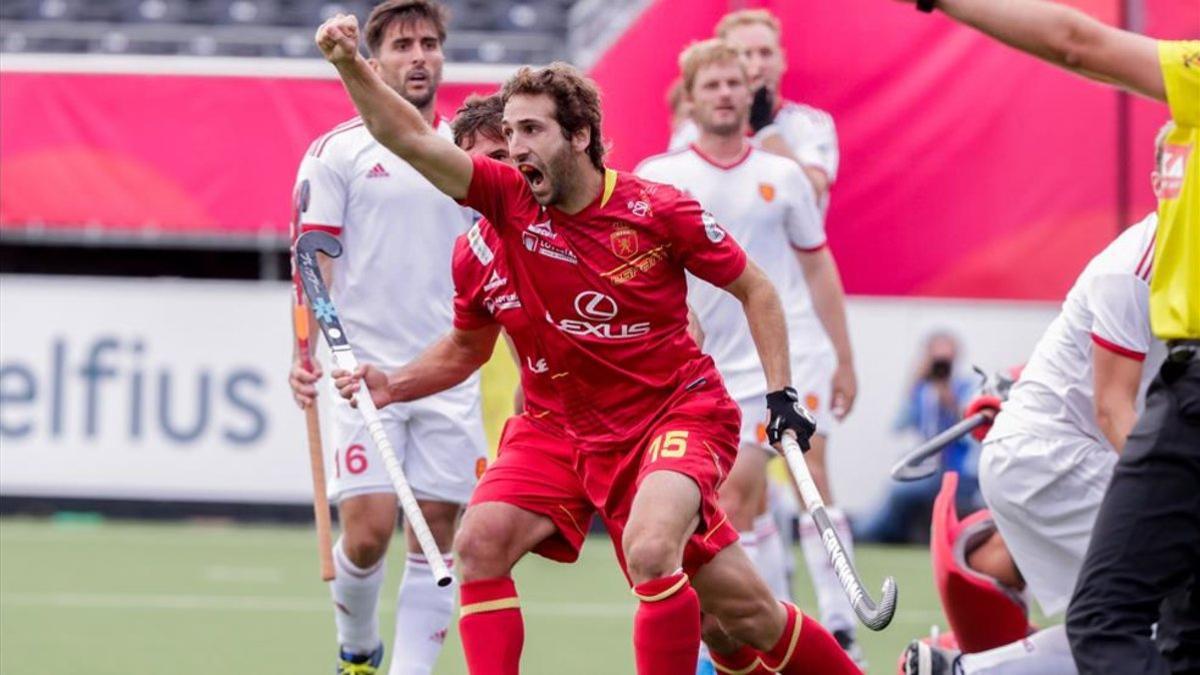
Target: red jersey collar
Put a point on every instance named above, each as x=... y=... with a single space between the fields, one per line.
x=741 y=157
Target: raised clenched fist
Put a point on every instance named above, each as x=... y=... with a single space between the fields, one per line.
x=337 y=38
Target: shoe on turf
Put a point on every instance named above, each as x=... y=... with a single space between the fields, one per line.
x=359 y=664
x=849 y=644
x=922 y=658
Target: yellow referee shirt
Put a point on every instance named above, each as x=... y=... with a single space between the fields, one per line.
x=1175 y=287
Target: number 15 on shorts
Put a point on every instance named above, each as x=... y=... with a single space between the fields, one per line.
x=669 y=445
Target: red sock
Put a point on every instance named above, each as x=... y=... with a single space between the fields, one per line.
x=745 y=661
x=806 y=647
x=666 y=628
x=490 y=626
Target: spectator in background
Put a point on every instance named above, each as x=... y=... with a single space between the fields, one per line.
x=934 y=403
x=677 y=101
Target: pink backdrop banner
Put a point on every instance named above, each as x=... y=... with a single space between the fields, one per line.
x=968 y=170
x=180 y=154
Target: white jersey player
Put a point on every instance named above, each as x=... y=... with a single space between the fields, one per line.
x=795 y=130
x=1049 y=456
x=393 y=290
x=767 y=203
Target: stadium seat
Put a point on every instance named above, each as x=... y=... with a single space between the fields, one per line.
x=982 y=612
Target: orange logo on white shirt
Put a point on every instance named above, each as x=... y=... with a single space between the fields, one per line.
x=1175 y=158
x=767 y=191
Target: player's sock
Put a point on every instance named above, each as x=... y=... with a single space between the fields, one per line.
x=806 y=647
x=745 y=661
x=666 y=628
x=355 y=599
x=423 y=612
x=1046 y=651
x=836 y=613
x=490 y=626
x=770 y=560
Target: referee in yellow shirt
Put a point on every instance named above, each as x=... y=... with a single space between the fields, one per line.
x=1143 y=562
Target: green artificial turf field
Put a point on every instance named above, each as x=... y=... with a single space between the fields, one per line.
x=103 y=598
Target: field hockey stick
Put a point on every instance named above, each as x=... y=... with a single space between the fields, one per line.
x=875 y=616
x=915 y=465
x=307 y=246
x=316 y=457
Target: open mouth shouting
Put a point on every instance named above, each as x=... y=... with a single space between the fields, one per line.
x=532 y=174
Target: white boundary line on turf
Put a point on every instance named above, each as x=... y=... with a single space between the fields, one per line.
x=266 y=603
x=222 y=66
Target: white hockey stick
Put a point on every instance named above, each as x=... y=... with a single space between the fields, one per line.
x=307 y=246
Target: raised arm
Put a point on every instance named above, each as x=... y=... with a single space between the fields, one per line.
x=393 y=121
x=1067 y=38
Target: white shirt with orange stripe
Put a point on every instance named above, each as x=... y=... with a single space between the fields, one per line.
x=392 y=285
x=766 y=203
x=1107 y=308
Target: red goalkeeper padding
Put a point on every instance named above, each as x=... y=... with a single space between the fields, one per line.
x=982 y=612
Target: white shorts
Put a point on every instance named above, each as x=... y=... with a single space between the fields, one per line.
x=812 y=376
x=1044 y=494
x=439 y=441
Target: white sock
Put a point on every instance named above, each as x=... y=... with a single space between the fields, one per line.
x=1046 y=652
x=355 y=598
x=423 y=612
x=836 y=613
x=771 y=557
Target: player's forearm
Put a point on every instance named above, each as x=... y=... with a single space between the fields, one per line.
x=443 y=365
x=768 y=327
x=829 y=300
x=393 y=121
x=1067 y=38
x=1116 y=421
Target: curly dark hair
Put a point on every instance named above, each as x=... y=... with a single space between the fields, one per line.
x=576 y=101
x=478 y=115
x=406 y=12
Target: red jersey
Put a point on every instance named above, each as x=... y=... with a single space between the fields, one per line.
x=605 y=294
x=484 y=294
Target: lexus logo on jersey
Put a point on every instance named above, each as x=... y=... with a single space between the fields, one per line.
x=595 y=306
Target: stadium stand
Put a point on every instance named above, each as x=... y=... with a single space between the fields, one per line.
x=509 y=31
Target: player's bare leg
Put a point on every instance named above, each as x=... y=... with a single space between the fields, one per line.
x=993 y=559
x=666 y=630
x=743 y=497
x=492 y=538
x=423 y=609
x=836 y=612
x=747 y=627
x=367 y=523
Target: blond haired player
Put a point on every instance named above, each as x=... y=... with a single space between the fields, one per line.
x=769 y=207
x=392 y=288
x=1141 y=563
x=794 y=130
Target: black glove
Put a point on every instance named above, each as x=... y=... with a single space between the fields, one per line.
x=762 y=110
x=788 y=414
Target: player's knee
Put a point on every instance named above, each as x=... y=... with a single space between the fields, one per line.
x=366 y=543
x=650 y=556
x=482 y=545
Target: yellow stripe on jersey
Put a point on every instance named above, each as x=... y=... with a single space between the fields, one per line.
x=1175 y=287
x=610 y=184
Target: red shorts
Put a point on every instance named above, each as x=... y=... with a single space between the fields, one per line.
x=535 y=471
x=697 y=437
